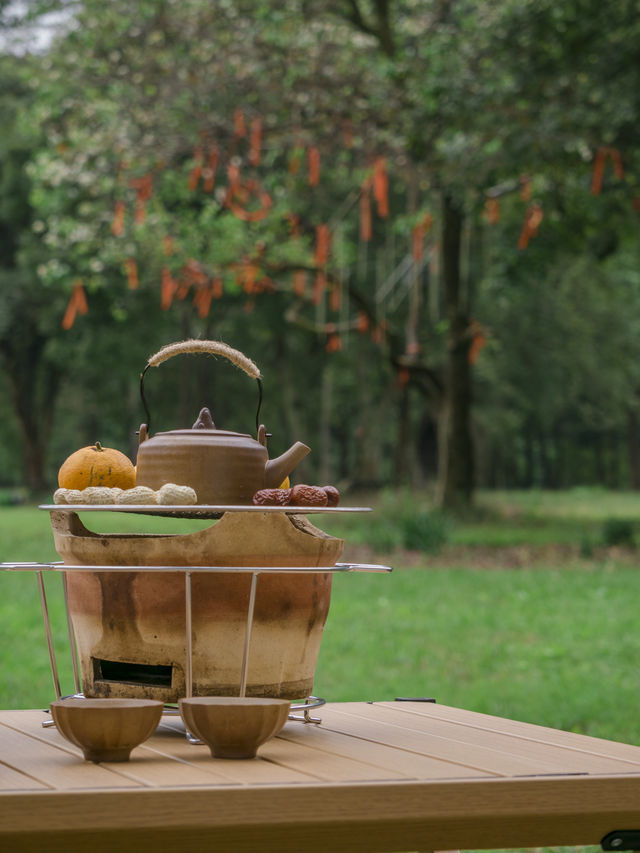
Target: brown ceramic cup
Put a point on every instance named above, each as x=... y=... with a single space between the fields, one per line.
x=106 y=729
x=231 y=726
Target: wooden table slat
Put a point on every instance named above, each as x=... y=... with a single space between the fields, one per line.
x=558 y=757
x=540 y=734
x=15 y=780
x=470 y=755
x=404 y=763
x=54 y=766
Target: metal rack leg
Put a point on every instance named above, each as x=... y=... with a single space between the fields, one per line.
x=188 y=673
x=72 y=638
x=47 y=627
x=247 y=635
x=189 y=636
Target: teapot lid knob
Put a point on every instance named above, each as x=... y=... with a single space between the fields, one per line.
x=204 y=421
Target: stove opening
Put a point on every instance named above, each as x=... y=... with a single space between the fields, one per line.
x=132 y=673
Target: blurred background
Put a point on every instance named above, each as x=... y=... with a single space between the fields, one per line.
x=420 y=219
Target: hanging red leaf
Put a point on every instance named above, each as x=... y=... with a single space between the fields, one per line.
x=616 y=161
x=300 y=282
x=131 y=266
x=362 y=322
x=217 y=287
x=417 y=242
x=402 y=377
x=144 y=189
x=599 y=163
x=168 y=289
x=77 y=303
x=239 y=125
x=69 y=314
x=196 y=171
x=294 y=225
x=194 y=178
x=249 y=275
x=525 y=187
x=635 y=203
x=598 y=171
x=334 y=342
x=255 y=141
x=209 y=171
x=193 y=272
x=233 y=174
x=323 y=239
x=313 y=163
x=182 y=289
x=140 y=214
x=418 y=234
x=239 y=192
x=202 y=300
x=294 y=161
x=365 y=211
x=492 y=210
x=478 y=341
x=532 y=220
x=381 y=187
x=427 y=222
x=168 y=245
x=319 y=285
x=117 y=226
x=335 y=298
x=143 y=186
x=81 y=298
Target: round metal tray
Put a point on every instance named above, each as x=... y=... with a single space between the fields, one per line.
x=199 y=510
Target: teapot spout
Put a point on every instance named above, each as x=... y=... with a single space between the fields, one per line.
x=277 y=470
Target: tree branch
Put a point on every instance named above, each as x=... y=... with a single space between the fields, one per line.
x=381 y=30
x=356 y=17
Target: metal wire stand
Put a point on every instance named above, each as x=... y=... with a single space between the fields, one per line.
x=305 y=707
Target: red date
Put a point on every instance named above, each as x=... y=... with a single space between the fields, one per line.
x=308 y=496
x=272 y=497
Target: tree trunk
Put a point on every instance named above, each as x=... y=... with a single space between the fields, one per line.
x=456 y=469
x=34 y=386
x=403 y=438
x=633 y=444
x=326 y=406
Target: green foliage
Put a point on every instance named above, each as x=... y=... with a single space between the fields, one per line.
x=425 y=531
x=402 y=520
x=619 y=531
x=464 y=97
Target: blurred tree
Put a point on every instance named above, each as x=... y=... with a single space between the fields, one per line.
x=461 y=98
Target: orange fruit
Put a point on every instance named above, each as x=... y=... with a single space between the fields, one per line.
x=97 y=466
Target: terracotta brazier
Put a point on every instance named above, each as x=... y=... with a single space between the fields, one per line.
x=130 y=625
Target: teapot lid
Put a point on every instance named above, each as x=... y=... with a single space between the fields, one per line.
x=204 y=425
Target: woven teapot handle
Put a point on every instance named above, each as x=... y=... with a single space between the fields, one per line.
x=210 y=347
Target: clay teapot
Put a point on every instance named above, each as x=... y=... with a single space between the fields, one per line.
x=225 y=468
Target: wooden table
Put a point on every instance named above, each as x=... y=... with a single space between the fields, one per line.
x=388 y=776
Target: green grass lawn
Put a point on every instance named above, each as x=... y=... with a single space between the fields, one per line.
x=552 y=644
x=555 y=643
